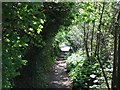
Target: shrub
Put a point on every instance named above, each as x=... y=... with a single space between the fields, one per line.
x=83 y=71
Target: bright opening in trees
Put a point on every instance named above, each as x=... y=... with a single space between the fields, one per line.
x=61 y=45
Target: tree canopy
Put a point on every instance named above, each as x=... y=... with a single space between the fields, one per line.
x=33 y=32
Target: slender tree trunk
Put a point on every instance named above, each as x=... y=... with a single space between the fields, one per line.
x=118 y=80
x=92 y=36
x=98 y=47
x=101 y=65
x=99 y=29
x=114 y=75
x=85 y=41
x=118 y=83
x=116 y=62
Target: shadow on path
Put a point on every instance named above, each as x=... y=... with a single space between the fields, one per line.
x=58 y=77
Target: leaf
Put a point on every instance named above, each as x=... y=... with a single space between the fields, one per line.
x=24 y=62
x=41 y=20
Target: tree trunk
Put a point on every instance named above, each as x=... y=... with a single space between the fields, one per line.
x=92 y=36
x=116 y=62
x=118 y=54
x=118 y=80
x=98 y=47
x=85 y=41
x=114 y=75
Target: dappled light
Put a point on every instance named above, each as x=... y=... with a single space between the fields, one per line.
x=63 y=45
x=58 y=77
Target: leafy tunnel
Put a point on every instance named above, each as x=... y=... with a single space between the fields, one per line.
x=34 y=32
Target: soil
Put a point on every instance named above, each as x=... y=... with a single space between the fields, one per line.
x=58 y=77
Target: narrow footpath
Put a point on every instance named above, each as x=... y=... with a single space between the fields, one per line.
x=58 y=77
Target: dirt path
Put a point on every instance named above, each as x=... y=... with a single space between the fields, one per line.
x=58 y=76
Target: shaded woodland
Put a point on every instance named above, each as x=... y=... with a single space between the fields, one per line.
x=33 y=34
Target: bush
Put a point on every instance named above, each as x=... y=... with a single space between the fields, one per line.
x=22 y=24
x=83 y=71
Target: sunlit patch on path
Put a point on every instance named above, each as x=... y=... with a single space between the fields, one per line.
x=58 y=76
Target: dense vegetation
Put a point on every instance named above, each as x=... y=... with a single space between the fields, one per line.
x=33 y=33
x=28 y=31
x=92 y=38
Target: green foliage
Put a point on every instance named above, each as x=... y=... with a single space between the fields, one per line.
x=37 y=25
x=12 y=58
x=83 y=35
x=27 y=26
x=22 y=24
x=81 y=69
x=61 y=36
x=43 y=64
